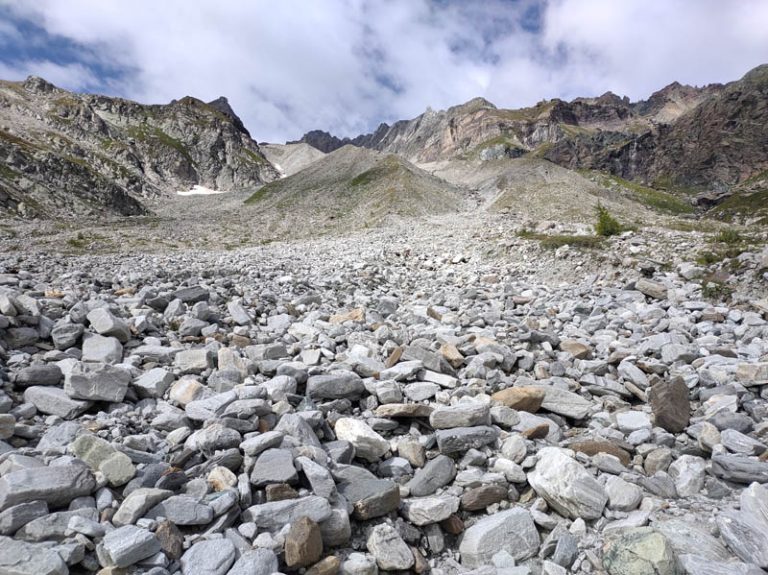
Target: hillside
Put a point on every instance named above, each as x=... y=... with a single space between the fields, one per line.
x=290 y=158
x=71 y=154
x=353 y=188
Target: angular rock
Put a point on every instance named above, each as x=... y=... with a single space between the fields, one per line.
x=55 y=401
x=128 y=545
x=104 y=323
x=389 y=549
x=670 y=404
x=371 y=498
x=523 y=398
x=20 y=558
x=425 y=510
x=97 y=382
x=463 y=438
x=335 y=385
x=566 y=485
x=437 y=473
x=276 y=514
x=274 y=466
x=56 y=485
x=460 y=415
x=213 y=557
x=369 y=445
x=512 y=531
x=303 y=543
x=639 y=551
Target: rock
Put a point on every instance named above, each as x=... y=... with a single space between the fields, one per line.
x=328 y=566
x=303 y=543
x=652 y=289
x=104 y=323
x=153 y=383
x=359 y=564
x=55 y=401
x=20 y=558
x=639 y=551
x=137 y=503
x=56 y=485
x=335 y=385
x=463 y=438
x=425 y=510
x=13 y=518
x=622 y=495
x=129 y=544
x=213 y=557
x=192 y=294
x=670 y=404
x=101 y=456
x=182 y=510
x=255 y=562
x=274 y=466
x=437 y=473
x=483 y=496
x=746 y=531
x=276 y=514
x=629 y=421
x=739 y=469
x=565 y=403
x=512 y=531
x=751 y=374
x=98 y=382
x=395 y=410
x=66 y=335
x=38 y=375
x=566 y=485
x=369 y=445
x=192 y=361
x=389 y=549
x=736 y=442
x=171 y=539
x=461 y=415
x=371 y=498
x=688 y=472
x=523 y=398
x=593 y=447
x=100 y=349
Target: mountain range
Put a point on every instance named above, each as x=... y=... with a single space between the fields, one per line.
x=64 y=153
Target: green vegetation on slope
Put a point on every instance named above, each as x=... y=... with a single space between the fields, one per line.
x=650 y=197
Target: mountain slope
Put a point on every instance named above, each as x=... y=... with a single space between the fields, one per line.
x=65 y=154
x=354 y=188
x=289 y=159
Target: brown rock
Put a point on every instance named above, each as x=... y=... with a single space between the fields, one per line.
x=593 y=446
x=670 y=404
x=280 y=492
x=171 y=539
x=483 y=496
x=523 y=398
x=577 y=349
x=328 y=566
x=394 y=357
x=651 y=289
x=434 y=314
x=303 y=544
x=357 y=314
x=403 y=410
x=420 y=563
x=538 y=432
x=241 y=341
x=452 y=355
x=453 y=525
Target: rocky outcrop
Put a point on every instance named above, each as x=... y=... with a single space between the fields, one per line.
x=68 y=154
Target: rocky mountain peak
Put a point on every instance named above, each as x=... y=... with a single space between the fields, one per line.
x=222 y=105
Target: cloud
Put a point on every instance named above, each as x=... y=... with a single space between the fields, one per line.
x=289 y=66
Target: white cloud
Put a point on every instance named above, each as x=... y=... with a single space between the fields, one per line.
x=289 y=66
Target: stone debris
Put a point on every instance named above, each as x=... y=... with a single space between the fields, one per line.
x=282 y=410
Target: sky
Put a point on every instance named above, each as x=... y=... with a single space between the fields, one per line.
x=290 y=66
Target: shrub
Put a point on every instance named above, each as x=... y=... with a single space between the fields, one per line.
x=606 y=224
x=728 y=236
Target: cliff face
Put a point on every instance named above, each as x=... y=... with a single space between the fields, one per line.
x=66 y=154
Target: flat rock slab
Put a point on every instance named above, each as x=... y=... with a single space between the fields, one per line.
x=129 y=544
x=209 y=558
x=21 y=558
x=57 y=485
x=522 y=398
x=463 y=438
x=371 y=497
x=276 y=514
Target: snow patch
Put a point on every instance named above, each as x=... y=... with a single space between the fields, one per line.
x=198 y=190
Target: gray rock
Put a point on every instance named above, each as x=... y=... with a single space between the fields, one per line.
x=736 y=442
x=193 y=361
x=688 y=472
x=137 y=503
x=389 y=549
x=425 y=510
x=100 y=349
x=253 y=446
x=746 y=531
x=182 y=510
x=55 y=401
x=369 y=445
x=66 y=335
x=622 y=495
x=192 y=294
x=512 y=531
x=320 y=479
x=739 y=469
x=97 y=382
x=566 y=485
x=437 y=473
x=460 y=415
x=213 y=557
x=19 y=515
x=335 y=385
x=153 y=383
x=38 y=375
x=696 y=565
x=276 y=514
x=463 y=438
x=652 y=289
x=56 y=485
x=129 y=544
x=104 y=323
x=20 y=558
x=274 y=466
x=640 y=550
x=371 y=497
x=359 y=564
x=54 y=526
x=102 y=456
x=213 y=437
x=566 y=403
x=255 y=562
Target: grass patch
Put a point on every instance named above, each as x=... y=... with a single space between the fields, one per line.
x=7 y=173
x=716 y=290
x=606 y=224
x=744 y=205
x=552 y=242
x=728 y=236
x=659 y=200
x=261 y=193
